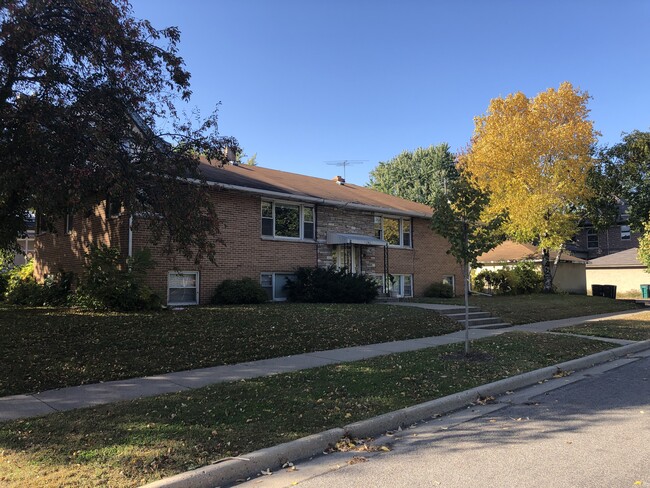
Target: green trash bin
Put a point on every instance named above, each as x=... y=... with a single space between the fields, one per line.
x=644 y=291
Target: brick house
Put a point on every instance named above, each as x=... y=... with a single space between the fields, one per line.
x=590 y=243
x=271 y=223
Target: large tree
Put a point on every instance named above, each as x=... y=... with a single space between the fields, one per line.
x=417 y=176
x=534 y=155
x=82 y=86
x=627 y=167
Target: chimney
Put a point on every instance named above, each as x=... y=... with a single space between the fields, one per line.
x=230 y=155
x=339 y=180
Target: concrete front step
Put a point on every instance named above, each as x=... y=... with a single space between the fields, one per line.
x=459 y=310
x=477 y=318
x=481 y=321
x=472 y=315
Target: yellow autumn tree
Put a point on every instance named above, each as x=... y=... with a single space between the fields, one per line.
x=533 y=156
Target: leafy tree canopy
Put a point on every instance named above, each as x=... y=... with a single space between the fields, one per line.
x=644 y=247
x=627 y=171
x=534 y=155
x=82 y=85
x=417 y=176
x=459 y=215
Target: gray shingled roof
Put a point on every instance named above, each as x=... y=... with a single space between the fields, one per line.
x=622 y=259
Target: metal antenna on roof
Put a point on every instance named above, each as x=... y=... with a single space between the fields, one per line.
x=345 y=163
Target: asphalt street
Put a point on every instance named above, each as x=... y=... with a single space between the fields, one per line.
x=590 y=429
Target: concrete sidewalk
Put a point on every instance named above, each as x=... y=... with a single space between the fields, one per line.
x=63 y=399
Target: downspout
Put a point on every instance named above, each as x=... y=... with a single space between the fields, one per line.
x=130 y=248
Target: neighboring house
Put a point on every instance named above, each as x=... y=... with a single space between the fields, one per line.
x=591 y=243
x=622 y=269
x=271 y=223
x=569 y=275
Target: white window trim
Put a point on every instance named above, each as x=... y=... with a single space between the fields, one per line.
x=626 y=235
x=453 y=282
x=401 y=230
x=590 y=233
x=399 y=278
x=273 y=297
x=198 y=288
x=301 y=207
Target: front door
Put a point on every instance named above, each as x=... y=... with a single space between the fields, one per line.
x=349 y=256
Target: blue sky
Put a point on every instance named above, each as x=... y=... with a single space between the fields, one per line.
x=302 y=82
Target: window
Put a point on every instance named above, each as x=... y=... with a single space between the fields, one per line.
x=288 y=220
x=274 y=283
x=183 y=288
x=113 y=207
x=451 y=281
x=402 y=285
x=393 y=230
x=68 y=221
x=592 y=239
x=625 y=232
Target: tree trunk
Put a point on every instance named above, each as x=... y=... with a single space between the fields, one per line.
x=546 y=271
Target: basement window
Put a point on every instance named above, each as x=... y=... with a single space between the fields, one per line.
x=183 y=288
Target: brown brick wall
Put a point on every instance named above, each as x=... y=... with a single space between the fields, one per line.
x=56 y=251
x=428 y=261
x=244 y=253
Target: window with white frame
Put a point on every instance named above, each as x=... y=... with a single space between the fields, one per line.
x=592 y=239
x=395 y=231
x=183 y=288
x=401 y=285
x=288 y=220
x=113 y=207
x=273 y=284
x=625 y=233
x=451 y=281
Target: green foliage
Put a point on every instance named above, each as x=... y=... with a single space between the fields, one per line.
x=77 y=78
x=22 y=289
x=521 y=279
x=331 y=285
x=439 y=290
x=108 y=284
x=235 y=292
x=458 y=217
x=417 y=176
x=644 y=247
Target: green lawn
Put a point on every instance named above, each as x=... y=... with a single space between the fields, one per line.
x=134 y=442
x=524 y=309
x=636 y=328
x=44 y=348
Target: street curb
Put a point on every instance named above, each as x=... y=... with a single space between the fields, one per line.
x=252 y=464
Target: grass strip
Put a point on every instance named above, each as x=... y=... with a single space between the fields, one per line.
x=135 y=442
x=633 y=328
x=525 y=309
x=45 y=348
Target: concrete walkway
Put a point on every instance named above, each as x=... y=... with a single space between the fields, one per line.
x=63 y=399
